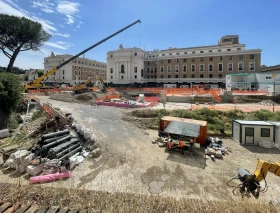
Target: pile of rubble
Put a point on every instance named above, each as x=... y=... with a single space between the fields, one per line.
x=215 y=148
x=63 y=144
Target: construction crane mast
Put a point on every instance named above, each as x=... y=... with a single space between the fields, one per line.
x=35 y=84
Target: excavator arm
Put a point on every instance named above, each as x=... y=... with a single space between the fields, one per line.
x=250 y=183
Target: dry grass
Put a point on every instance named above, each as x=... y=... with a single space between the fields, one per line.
x=125 y=202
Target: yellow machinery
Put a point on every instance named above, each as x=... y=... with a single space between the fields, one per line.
x=79 y=88
x=250 y=183
x=36 y=84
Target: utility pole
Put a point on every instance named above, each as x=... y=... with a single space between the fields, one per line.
x=273 y=94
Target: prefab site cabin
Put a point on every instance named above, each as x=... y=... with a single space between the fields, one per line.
x=201 y=139
x=252 y=132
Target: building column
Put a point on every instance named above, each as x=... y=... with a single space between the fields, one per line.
x=129 y=73
x=114 y=71
x=126 y=74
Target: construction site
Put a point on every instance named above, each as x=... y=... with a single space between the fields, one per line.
x=100 y=149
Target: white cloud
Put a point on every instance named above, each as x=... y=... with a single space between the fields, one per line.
x=11 y=8
x=81 y=22
x=45 y=6
x=59 y=45
x=69 y=19
x=61 y=25
x=69 y=9
x=78 y=26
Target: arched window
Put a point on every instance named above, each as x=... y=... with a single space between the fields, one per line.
x=122 y=68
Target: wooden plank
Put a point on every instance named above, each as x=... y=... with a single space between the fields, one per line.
x=23 y=208
x=32 y=209
x=73 y=211
x=13 y=208
x=63 y=210
x=4 y=207
x=43 y=209
x=53 y=209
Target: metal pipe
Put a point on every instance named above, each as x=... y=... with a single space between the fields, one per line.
x=53 y=139
x=54 y=134
x=60 y=154
x=64 y=145
x=71 y=153
x=56 y=142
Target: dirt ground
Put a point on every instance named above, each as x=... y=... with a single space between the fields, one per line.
x=131 y=163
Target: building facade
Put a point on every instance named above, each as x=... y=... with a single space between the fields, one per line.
x=254 y=81
x=76 y=71
x=182 y=66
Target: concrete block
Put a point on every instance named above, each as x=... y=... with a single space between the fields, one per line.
x=4 y=133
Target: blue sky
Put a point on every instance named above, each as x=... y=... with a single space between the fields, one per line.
x=76 y=25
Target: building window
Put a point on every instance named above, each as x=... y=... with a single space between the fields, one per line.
x=168 y=68
x=230 y=57
x=268 y=77
x=63 y=77
x=161 y=61
x=265 y=132
x=155 y=69
x=201 y=67
x=201 y=75
x=220 y=75
x=210 y=67
x=111 y=70
x=163 y=55
x=184 y=60
x=193 y=75
x=161 y=69
x=193 y=67
x=210 y=75
x=184 y=76
x=122 y=68
x=193 y=52
x=185 y=53
x=230 y=67
x=240 y=66
x=135 y=69
x=161 y=76
x=170 y=53
x=111 y=77
x=111 y=56
x=169 y=61
x=240 y=57
x=121 y=77
x=228 y=50
x=201 y=59
x=169 y=76
x=201 y=51
x=193 y=59
x=252 y=56
x=142 y=73
x=238 y=48
x=176 y=76
x=211 y=59
x=75 y=72
x=185 y=68
x=135 y=77
x=251 y=66
x=219 y=50
x=135 y=54
x=152 y=70
x=176 y=68
x=148 y=70
x=177 y=53
x=220 y=67
x=62 y=72
x=220 y=58
x=210 y=51
x=177 y=60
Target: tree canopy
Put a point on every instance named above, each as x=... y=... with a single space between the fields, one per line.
x=20 y=34
x=10 y=92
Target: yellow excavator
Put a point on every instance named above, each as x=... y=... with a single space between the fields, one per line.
x=37 y=83
x=250 y=183
x=83 y=87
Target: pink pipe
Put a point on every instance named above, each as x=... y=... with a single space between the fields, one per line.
x=51 y=177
